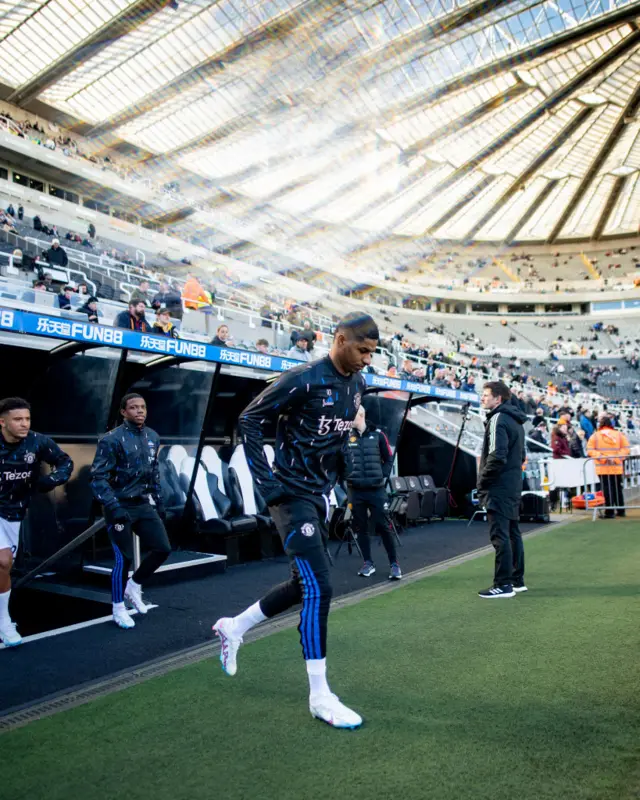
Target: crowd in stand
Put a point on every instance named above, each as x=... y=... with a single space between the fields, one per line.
x=49 y=135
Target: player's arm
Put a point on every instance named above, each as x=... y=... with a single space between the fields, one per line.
x=103 y=467
x=60 y=463
x=497 y=455
x=386 y=454
x=281 y=397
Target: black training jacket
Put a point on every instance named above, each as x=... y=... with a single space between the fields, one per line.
x=20 y=472
x=314 y=407
x=125 y=466
x=503 y=454
x=369 y=459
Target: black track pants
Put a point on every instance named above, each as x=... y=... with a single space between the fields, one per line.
x=507 y=542
x=146 y=523
x=377 y=502
x=303 y=533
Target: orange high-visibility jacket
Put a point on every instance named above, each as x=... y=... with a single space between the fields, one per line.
x=193 y=294
x=608 y=447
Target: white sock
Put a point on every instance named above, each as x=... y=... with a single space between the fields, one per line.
x=4 y=606
x=118 y=607
x=247 y=619
x=317 y=673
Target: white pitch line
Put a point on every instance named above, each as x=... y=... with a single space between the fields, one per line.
x=68 y=628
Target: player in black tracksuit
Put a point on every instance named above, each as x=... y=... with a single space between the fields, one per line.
x=314 y=406
x=369 y=460
x=22 y=452
x=500 y=487
x=125 y=479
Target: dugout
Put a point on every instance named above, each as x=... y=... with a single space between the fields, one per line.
x=75 y=374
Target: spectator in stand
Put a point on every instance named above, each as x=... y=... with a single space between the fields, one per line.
x=222 y=338
x=168 y=298
x=469 y=384
x=585 y=423
x=141 y=293
x=560 y=442
x=40 y=286
x=194 y=294
x=262 y=346
x=37 y=223
x=575 y=448
x=21 y=212
x=163 y=325
x=581 y=438
x=11 y=210
x=64 y=298
x=91 y=230
x=56 y=255
x=300 y=349
x=310 y=334
x=90 y=308
x=133 y=318
x=7 y=222
x=82 y=289
x=47 y=279
x=539 y=435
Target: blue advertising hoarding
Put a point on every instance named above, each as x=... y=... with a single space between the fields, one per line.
x=72 y=331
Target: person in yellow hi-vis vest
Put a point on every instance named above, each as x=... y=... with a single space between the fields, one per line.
x=608 y=447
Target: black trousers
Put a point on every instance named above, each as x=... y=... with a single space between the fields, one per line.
x=507 y=542
x=374 y=501
x=613 y=494
x=303 y=536
x=146 y=523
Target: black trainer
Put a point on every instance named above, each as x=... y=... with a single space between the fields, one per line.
x=496 y=592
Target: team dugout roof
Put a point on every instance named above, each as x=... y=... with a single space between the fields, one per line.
x=497 y=120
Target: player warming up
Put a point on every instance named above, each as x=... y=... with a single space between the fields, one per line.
x=314 y=406
x=125 y=479
x=22 y=451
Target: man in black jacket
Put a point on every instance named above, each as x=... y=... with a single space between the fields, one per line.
x=500 y=487
x=133 y=318
x=56 y=255
x=22 y=451
x=126 y=480
x=314 y=406
x=369 y=460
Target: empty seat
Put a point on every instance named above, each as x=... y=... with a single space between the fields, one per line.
x=240 y=475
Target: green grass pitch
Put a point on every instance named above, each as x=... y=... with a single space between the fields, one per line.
x=534 y=698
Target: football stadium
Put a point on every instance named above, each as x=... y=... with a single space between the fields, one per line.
x=319 y=329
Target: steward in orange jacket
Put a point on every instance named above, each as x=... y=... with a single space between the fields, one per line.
x=608 y=447
x=193 y=294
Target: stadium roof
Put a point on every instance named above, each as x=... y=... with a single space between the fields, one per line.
x=498 y=120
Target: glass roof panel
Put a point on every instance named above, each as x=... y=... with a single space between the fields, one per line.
x=588 y=211
x=54 y=29
x=501 y=224
x=160 y=51
x=462 y=222
x=541 y=222
x=624 y=216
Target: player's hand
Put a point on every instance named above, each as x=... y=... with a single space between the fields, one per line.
x=45 y=484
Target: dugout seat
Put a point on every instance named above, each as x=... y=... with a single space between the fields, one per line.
x=212 y=506
x=173 y=495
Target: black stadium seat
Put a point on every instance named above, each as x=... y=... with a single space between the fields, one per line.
x=209 y=517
